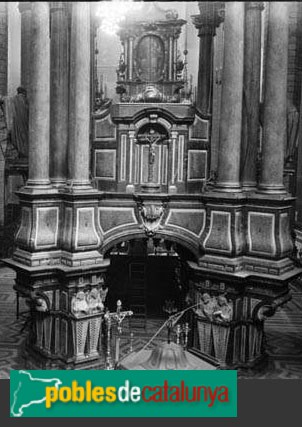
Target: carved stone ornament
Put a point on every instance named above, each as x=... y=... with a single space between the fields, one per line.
x=90 y=302
x=41 y=305
x=218 y=309
x=269 y=309
x=151 y=216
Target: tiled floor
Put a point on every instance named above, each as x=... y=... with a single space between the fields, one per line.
x=283 y=335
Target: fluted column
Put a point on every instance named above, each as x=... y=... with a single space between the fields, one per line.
x=59 y=93
x=275 y=100
x=38 y=173
x=231 y=99
x=25 y=10
x=206 y=24
x=79 y=102
x=251 y=94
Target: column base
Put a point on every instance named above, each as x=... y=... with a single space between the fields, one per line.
x=79 y=187
x=38 y=189
x=150 y=187
x=228 y=187
x=58 y=183
x=172 y=189
x=249 y=187
x=271 y=189
x=130 y=189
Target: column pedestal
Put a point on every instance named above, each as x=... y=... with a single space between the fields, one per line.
x=67 y=307
x=228 y=324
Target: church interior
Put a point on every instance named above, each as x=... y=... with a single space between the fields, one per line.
x=151 y=186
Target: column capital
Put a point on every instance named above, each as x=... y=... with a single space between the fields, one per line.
x=258 y=5
x=55 y=6
x=211 y=15
x=24 y=6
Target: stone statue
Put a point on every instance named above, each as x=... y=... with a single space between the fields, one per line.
x=206 y=306
x=292 y=132
x=95 y=301
x=79 y=306
x=103 y=294
x=16 y=111
x=223 y=311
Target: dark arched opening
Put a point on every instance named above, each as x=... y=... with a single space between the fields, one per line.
x=145 y=273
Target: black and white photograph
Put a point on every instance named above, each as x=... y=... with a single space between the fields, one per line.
x=151 y=187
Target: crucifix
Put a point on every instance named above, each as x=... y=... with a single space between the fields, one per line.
x=118 y=317
x=152 y=138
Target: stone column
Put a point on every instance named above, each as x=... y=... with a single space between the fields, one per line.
x=275 y=100
x=79 y=102
x=206 y=24
x=231 y=99
x=251 y=94
x=59 y=93
x=25 y=10
x=38 y=173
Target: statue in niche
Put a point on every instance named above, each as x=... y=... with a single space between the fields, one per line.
x=121 y=68
x=79 y=305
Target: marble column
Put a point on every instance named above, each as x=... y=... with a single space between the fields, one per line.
x=275 y=101
x=38 y=160
x=231 y=99
x=25 y=11
x=79 y=98
x=206 y=23
x=59 y=93
x=251 y=94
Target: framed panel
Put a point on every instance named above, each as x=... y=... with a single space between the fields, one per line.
x=105 y=164
x=197 y=165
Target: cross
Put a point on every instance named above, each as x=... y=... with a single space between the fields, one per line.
x=118 y=317
x=152 y=138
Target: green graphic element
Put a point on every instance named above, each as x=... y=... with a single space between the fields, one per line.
x=123 y=393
